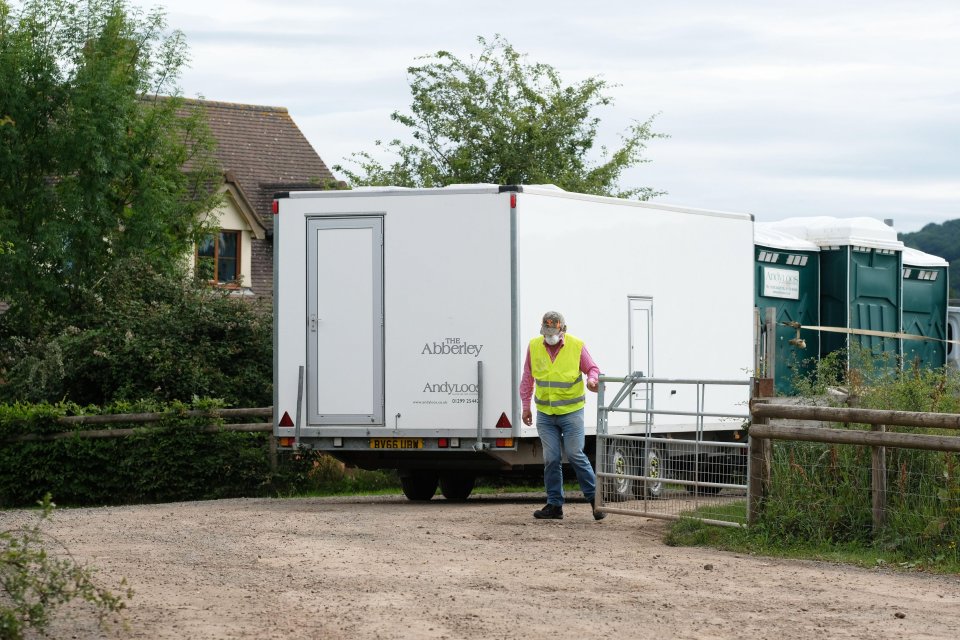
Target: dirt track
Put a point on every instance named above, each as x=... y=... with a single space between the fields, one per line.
x=387 y=568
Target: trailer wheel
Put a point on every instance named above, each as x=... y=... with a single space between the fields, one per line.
x=419 y=485
x=622 y=461
x=456 y=487
x=708 y=471
x=653 y=468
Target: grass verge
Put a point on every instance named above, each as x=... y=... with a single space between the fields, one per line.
x=759 y=540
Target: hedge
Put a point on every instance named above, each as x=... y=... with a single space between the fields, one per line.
x=168 y=462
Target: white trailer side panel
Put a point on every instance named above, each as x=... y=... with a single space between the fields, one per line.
x=446 y=294
x=691 y=271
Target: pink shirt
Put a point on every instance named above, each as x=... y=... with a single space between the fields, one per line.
x=587 y=366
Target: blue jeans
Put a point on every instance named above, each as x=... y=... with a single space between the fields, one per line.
x=558 y=435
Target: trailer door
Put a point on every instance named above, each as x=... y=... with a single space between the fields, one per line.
x=641 y=354
x=344 y=378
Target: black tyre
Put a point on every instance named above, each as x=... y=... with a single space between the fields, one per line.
x=456 y=487
x=653 y=468
x=419 y=485
x=709 y=471
x=622 y=461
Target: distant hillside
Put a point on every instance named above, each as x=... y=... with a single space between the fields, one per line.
x=940 y=240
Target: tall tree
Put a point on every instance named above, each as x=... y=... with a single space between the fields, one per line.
x=91 y=161
x=496 y=118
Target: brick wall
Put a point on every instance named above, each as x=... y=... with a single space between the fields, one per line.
x=261 y=268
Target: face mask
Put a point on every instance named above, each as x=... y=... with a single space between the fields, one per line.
x=552 y=340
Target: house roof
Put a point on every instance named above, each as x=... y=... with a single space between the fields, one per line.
x=263 y=151
x=241 y=202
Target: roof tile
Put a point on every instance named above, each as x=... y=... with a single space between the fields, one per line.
x=264 y=150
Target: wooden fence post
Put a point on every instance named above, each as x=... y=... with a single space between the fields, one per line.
x=761 y=461
x=878 y=483
x=756 y=486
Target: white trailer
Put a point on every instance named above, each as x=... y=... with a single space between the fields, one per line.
x=402 y=318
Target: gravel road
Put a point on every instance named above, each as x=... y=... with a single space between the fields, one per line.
x=384 y=567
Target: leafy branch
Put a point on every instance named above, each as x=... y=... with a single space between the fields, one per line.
x=36 y=581
x=495 y=118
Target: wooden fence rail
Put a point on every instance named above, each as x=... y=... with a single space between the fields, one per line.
x=761 y=433
x=147 y=418
x=867 y=438
x=856 y=415
x=263 y=412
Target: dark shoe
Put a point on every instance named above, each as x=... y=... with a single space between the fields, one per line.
x=549 y=512
x=597 y=515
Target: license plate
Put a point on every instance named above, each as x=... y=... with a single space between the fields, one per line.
x=396 y=443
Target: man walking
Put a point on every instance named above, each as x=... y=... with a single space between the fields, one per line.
x=557 y=362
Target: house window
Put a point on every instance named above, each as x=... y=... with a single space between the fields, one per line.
x=218 y=257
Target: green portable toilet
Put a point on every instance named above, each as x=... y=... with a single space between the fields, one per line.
x=787 y=279
x=860 y=281
x=925 y=300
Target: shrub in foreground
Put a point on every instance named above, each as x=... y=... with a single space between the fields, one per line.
x=36 y=577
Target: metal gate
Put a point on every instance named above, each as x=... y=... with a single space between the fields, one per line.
x=674 y=462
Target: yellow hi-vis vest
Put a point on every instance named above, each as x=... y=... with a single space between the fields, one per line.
x=560 y=387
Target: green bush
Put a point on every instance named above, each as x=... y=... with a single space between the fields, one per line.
x=317 y=473
x=148 y=336
x=158 y=463
x=169 y=461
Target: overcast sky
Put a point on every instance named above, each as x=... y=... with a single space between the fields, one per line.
x=779 y=109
